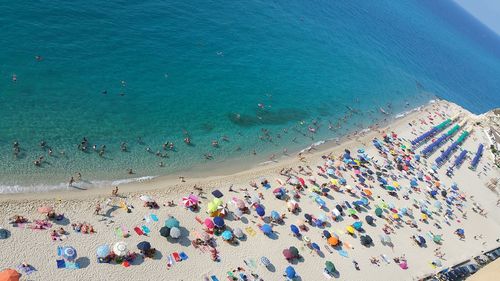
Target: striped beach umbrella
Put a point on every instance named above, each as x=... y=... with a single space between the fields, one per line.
x=68 y=253
x=265 y=261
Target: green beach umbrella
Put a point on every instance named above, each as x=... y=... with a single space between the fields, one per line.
x=437 y=238
x=351 y=212
x=172 y=222
x=390 y=188
x=378 y=212
x=329 y=266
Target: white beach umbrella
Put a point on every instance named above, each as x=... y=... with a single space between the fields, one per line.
x=175 y=232
x=146 y=198
x=120 y=248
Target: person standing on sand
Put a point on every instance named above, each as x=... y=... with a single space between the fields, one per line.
x=115 y=191
x=97 y=209
x=71 y=181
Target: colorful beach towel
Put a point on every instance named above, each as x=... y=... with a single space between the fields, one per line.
x=138 y=231
x=60 y=264
x=72 y=265
x=176 y=256
x=154 y=217
x=250 y=231
x=183 y=256
x=121 y=232
x=145 y=229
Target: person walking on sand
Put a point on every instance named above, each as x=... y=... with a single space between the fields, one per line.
x=97 y=209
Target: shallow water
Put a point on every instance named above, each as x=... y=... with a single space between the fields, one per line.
x=204 y=66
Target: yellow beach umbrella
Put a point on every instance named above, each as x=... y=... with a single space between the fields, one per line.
x=424 y=216
x=217 y=201
x=395 y=184
x=350 y=229
x=395 y=216
x=211 y=207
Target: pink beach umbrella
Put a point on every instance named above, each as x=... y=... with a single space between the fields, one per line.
x=189 y=201
x=302 y=182
x=209 y=223
x=45 y=209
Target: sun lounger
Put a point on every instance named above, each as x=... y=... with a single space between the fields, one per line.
x=183 y=256
x=72 y=265
x=27 y=270
x=250 y=231
x=60 y=264
x=138 y=231
x=176 y=256
x=145 y=229
x=214 y=278
x=154 y=217
x=170 y=261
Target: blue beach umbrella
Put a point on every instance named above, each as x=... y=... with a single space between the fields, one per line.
x=294 y=229
x=315 y=247
x=330 y=171
x=275 y=215
x=322 y=218
x=266 y=228
x=227 y=235
x=219 y=221
x=437 y=204
x=357 y=225
x=260 y=211
x=68 y=253
x=460 y=231
x=365 y=201
x=290 y=272
x=144 y=246
x=320 y=202
x=326 y=234
x=103 y=251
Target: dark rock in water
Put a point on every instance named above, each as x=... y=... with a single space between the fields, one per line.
x=268 y=117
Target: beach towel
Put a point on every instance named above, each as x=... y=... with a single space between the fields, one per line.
x=327 y=276
x=385 y=258
x=154 y=217
x=60 y=264
x=343 y=253
x=250 y=231
x=72 y=265
x=145 y=229
x=176 y=256
x=27 y=270
x=251 y=263
x=121 y=232
x=59 y=251
x=147 y=219
x=214 y=278
x=125 y=264
x=198 y=219
x=170 y=261
x=138 y=231
x=183 y=256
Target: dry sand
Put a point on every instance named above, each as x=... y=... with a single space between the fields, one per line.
x=36 y=248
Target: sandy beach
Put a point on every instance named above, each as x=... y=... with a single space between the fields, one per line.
x=481 y=225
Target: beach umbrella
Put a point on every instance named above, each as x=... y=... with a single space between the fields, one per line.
x=302 y=182
x=294 y=229
x=437 y=262
x=227 y=235
x=322 y=218
x=437 y=204
x=395 y=216
x=460 y=231
x=275 y=215
x=9 y=275
x=211 y=207
x=290 y=272
x=4 y=233
x=378 y=212
x=175 y=232
x=437 y=238
x=366 y=240
x=294 y=181
x=165 y=231
x=365 y=201
x=350 y=229
x=287 y=254
x=260 y=211
x=339 y=208
x=329 y=266
x=255 y=199
x=421 y=240
x=146 y=198
x=45 y=209
x=219 y=222
x=308 y=217
x=403 y=265
x=218 y=202
x=369 y=220
x=120 y=248
x=357 y=225
x=279 y=191
x=103 y=251
x=336 y=213
x=189 y=201
x=330 y=171
x=384 y=238
x=266 y=229
x=238 y=232
x=265 y=261
x=320 y=201
x=209 y=223
x=351 y=212
x=144 y=246
x=217 y=194
x=294 y=251
x=367 y=192
x=315 y=247
x=172 y=222
x=240 y=204
x=68 y=253
x=326 y=234
x=333 y=241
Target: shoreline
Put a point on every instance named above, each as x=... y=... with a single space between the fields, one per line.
x=225 y=167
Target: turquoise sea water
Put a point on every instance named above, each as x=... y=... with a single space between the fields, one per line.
x=204 y=66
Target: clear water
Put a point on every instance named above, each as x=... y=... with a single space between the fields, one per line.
x=194 y=65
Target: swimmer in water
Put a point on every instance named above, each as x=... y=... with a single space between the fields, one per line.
x=38 y=58
x=105 y=92
x=215 y=143
x=14 y=78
